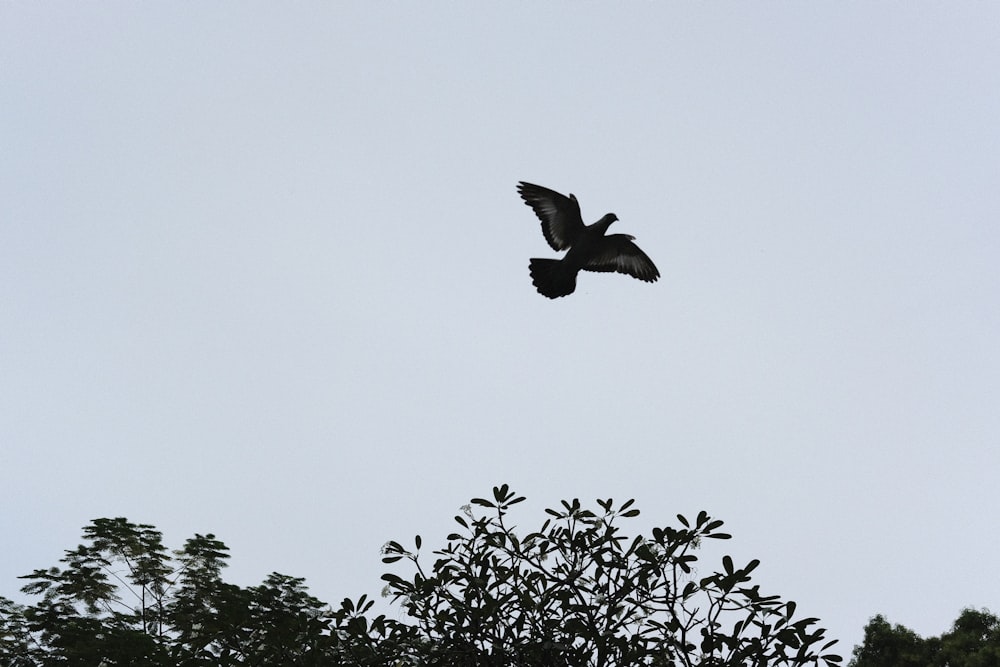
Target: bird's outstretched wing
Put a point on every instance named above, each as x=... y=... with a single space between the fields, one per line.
x=617 y=253
x=560 y=215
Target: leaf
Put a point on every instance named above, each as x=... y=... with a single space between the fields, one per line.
x=788 y=637
x=727 y=563
x=417 y=541
x=645 y=553
x=680 y=517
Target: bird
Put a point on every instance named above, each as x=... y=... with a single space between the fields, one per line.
x=588 y=247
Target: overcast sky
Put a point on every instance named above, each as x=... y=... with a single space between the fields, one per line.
x=263 y=273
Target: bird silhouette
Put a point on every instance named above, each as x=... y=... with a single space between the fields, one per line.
x=588 y=247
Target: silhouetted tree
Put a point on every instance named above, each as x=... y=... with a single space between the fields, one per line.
x=579 y=592
x=974 y=641
x=885 y=645
x=121 y=599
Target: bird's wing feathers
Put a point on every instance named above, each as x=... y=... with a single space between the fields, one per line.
x=617 y=253
x=560 y=215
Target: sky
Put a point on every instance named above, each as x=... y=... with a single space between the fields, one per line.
x=263 y=274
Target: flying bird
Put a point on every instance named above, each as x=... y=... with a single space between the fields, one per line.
x=588 y=246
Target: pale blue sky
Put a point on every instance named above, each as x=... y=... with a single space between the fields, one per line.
x=263 y=273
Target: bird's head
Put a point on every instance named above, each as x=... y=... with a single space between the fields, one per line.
x=608 y=219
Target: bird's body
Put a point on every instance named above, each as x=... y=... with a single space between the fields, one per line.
x=588 y=247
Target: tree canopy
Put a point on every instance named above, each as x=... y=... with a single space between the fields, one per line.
x=973 y=641
x=576 y=592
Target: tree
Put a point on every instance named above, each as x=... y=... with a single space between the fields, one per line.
x=579 y=592
x=974 y=641
x=83 y=618
x=576 y=592
x=121 y=599
x=886 y=645
x=16 y=649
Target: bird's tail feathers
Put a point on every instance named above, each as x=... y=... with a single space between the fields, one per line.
x=552 y=277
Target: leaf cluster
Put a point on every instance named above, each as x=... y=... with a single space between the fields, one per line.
x=973 y=641
x=121 y=598
x=578 y=591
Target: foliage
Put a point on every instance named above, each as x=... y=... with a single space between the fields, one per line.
x=121 y=599
x=890 y=645
x=576 y=592
x=579 y=592
x=15 y=637
x=974 y=641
